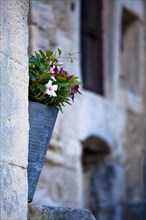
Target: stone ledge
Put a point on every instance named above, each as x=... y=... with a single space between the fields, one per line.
x=37 y=212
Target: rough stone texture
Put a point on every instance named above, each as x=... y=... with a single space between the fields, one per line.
x=60 y=183
x=14 y=114
x=131 y=96
x=14 y=30
x=116 y=119
x=13 y=192
x=14 y=109
x=134 y=162
x=129 y=77
x=51 y=29
x=58 y=213
x=55 y=27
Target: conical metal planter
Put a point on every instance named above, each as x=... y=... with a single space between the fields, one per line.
x=41 y=121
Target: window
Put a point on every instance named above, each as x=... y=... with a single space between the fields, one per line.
x=91 y=45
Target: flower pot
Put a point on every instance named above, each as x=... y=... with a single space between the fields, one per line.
x=41 y=120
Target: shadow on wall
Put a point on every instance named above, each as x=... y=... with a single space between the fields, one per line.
x=102 y=179
x=95 y=149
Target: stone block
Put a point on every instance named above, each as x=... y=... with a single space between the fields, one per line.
x=14 y=112
x=14 y=30
x=58 y=213
x=109 y=122
x=13 y=187
x=60 y=185
x=134 y=150
x=42 y=20
x=34 y=33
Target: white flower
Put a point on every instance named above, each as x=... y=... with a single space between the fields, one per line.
x=53 y=78
x=52 y=69
x=51 y=88
x=55 y=68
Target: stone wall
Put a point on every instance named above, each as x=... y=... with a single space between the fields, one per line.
x=14 y=108
x=56 y=27
x=111 y=127
x=37 y=212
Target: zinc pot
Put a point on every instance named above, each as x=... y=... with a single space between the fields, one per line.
x=41 y=122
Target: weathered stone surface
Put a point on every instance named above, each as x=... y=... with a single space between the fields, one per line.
x=14 y=109
x=13 y=196
x=33 y=33
x=59 y=185
x=129 y=77
x=109 y=122
x=58 y=213
x=14 y=30
x=14 y=112
x=134 y=163
x=51 y=29
x=105 y=117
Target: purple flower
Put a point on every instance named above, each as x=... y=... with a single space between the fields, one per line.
x=54 y=70
x=75 y=89
x=69 y=77
x=63 y=72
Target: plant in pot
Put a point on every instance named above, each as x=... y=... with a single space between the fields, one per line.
x=50 y=88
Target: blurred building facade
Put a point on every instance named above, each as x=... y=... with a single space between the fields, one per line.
x=97 y=153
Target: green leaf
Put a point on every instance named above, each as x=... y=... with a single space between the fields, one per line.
x=40 y=73
x=41 y=87
x=64 y=84
x=59 y=51
x=46 y=76
x=54 y=60
x=35 y=60
x=38 y=57
x=37 y=75
x=42 y=54
x=49 y=53
x=42 y=67
x=73 y=78
x=59 y=107
x=61 y=79
x=32 y=76
x=76 y=83
x=68 y=102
